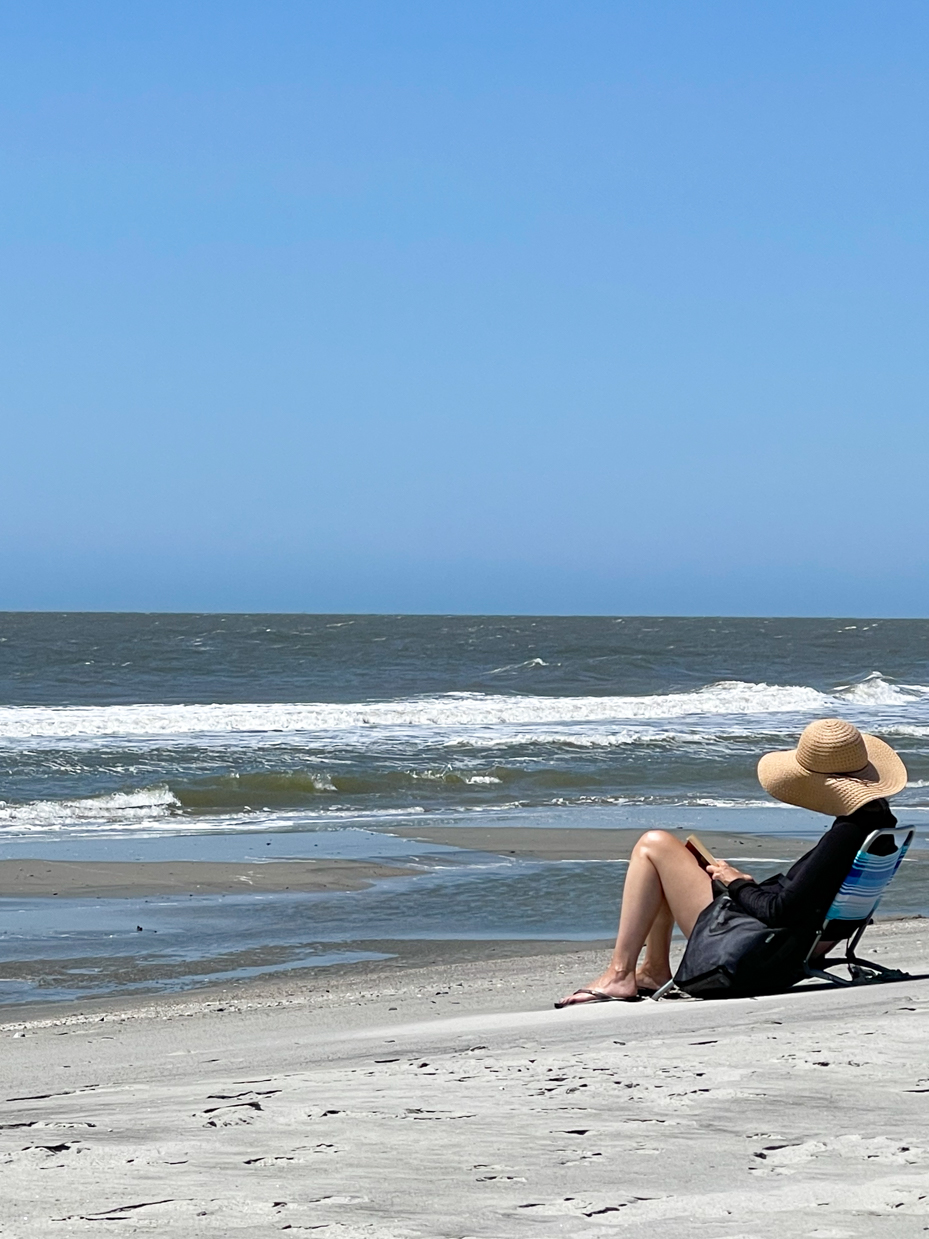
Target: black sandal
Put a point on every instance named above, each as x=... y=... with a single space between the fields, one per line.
x=598 y=996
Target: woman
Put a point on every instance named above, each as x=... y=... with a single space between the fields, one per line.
x=834 y=770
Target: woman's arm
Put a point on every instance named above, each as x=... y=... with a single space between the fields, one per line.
x=810 y=885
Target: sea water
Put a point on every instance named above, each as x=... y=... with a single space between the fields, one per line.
x=240 y=737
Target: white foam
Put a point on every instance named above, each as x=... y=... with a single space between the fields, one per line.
x=530 y=662
x=442 y=776
x=450 y=710
x=154 y=811
x=596 y=736
x=722 y=802
x=119 y=808
x=875 y=690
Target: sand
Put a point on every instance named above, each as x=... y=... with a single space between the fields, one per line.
x=452 y=1100
x=600 y=843
x=127 y=879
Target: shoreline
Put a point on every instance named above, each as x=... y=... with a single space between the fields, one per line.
x=416 y=966
x=97 y=933
x=32 y=878
x=412 y=965
x=106 y=934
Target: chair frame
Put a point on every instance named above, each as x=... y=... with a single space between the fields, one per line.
x=861 y=971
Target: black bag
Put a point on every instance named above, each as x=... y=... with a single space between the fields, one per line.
x=731 y=954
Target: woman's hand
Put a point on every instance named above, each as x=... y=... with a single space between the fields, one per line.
x=723 y=872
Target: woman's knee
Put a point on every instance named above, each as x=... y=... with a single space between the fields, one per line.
x=654 y=841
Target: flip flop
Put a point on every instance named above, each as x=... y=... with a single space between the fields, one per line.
x=597 y=995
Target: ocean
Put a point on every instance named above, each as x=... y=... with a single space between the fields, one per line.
x=234 y=737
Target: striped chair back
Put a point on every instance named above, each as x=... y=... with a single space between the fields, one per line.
x=867 y=880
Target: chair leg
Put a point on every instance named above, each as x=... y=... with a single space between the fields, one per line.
x=864 y=971
x=855 y=939
x=662 y=990
x=820 y=974
x=861 y=972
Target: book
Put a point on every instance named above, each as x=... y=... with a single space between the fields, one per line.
x=703 y=854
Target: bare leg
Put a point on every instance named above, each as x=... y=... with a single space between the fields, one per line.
x=664 y=884
x=655 y=968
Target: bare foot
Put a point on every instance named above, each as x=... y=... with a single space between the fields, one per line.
x=613 y=983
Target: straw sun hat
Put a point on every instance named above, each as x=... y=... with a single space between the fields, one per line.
x=834 y=769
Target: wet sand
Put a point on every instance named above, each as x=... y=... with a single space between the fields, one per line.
x=540 y=843
x=130 y=879
x=451 y=1100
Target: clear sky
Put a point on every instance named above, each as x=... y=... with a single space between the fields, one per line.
x=465 y=305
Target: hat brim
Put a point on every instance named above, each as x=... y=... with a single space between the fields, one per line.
x=782 y=776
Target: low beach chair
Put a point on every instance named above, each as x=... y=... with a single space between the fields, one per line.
x=853 y=908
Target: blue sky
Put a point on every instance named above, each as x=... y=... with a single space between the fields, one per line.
x=459 y=306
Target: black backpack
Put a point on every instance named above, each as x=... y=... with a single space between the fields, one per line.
x=731 y=954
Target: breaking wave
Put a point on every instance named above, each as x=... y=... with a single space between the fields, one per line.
x=875 y=690
x=446 y=713
x=119 y=808
x=202 y=766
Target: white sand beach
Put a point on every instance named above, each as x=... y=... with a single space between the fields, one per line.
x=452 y=1100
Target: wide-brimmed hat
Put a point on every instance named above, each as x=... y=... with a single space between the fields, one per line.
x=834 y=769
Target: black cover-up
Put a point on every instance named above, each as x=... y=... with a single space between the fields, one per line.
x=800 y=898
